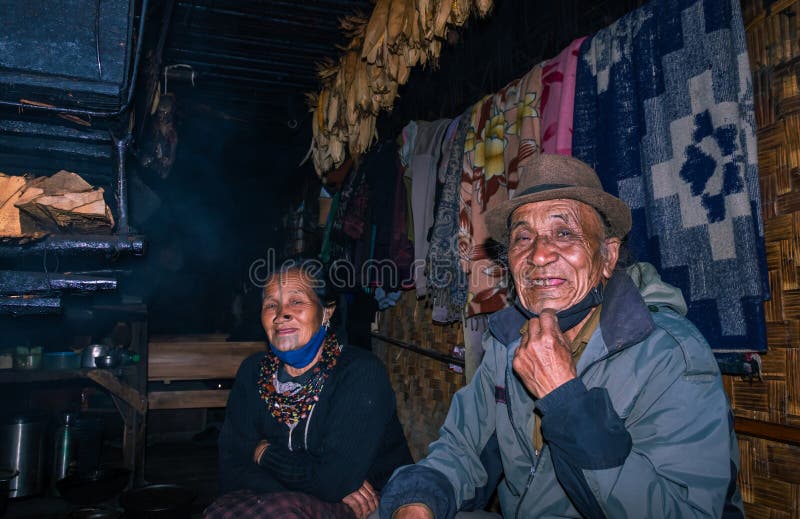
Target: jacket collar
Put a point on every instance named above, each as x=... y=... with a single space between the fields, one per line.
x=624 y=321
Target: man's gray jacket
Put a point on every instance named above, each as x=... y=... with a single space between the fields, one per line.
x=645 y=430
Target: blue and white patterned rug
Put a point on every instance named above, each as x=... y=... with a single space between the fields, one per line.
x=664 y=112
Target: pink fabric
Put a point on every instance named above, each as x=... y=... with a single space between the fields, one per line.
x=558 y=100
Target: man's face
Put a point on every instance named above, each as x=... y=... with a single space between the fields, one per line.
x=554 y=252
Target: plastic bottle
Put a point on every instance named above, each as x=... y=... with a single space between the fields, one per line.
x=66 y=448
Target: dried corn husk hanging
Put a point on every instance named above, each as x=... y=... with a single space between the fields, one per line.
x=331 y=108
x=366 y=134
x=425 y=10
x=321 y=105
x=398 y=35
x=326 y=71
x=459 y=12
x=378 y=79
x=375 y=35
x=390 y=95
x=411 y=50
x=442 y=15
x=397 y=22
x=482 y=7
x=362 y=92
x=336 y=150
x=349 y=64
x=403 y=69
x=354 y=28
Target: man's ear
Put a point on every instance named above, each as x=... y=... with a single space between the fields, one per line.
x=611 y=256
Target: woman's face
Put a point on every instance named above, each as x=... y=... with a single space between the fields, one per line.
x=291 y=313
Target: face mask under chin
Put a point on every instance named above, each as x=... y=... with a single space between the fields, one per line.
x=568 y=318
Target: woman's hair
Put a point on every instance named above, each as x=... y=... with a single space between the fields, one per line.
x=312 y=272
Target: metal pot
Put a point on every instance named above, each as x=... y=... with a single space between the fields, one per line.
x=91 y=352
x=158 y=501
x=22 y=449
x=6 y=475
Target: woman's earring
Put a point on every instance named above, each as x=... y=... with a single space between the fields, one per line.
x=326 y=324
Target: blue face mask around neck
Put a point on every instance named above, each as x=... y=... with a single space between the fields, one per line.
x=570 y=317
x=301 y=357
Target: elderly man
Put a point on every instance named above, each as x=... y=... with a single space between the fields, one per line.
x=603 y=399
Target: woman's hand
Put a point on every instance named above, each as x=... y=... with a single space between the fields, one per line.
x=261 y=447
x=363 y=501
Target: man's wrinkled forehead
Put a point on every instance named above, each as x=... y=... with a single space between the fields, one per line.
x=566 y=211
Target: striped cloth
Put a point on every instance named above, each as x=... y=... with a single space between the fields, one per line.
x=244 y=504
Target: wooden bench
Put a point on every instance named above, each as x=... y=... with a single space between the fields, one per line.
x=194 y=357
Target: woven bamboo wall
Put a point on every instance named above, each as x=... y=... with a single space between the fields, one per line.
x=770 y=475
x=423 y=386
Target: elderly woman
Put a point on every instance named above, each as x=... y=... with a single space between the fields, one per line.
x=311 y=429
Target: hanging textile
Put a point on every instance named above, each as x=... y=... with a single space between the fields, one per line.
x=380 y=166
x=409 y=138
x=346 y=228
x=558 y=99
x=664 y=112
x=504 y=130
x=401 y=248
x=422 y=170
x=448 y=282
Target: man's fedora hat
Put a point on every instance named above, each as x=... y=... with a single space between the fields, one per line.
x=550 y=177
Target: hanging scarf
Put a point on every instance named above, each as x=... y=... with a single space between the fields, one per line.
x=291 y=406
x=445 y=276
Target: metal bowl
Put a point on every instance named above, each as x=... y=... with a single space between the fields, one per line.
x=91 y=352
x=94 y=513
x=106 y=361
x=158 y=501
x=95 y=487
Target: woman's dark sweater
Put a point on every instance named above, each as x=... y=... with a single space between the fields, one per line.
x=353 y=434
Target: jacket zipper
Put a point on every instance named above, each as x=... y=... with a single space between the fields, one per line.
x=536 y=456
x=527 y=484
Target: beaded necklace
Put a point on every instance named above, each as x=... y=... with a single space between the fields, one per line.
x=291 y=407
